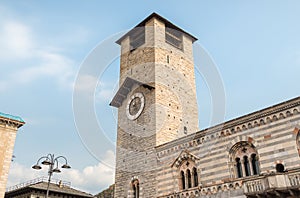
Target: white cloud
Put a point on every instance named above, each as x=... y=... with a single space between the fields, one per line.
x=91 y=179
x=19 y=173
x=57 y=67
x=105 y=91
x=25 y=56
x=90 y=85
x=16 y=41
x=52 y=65
x=85 y=83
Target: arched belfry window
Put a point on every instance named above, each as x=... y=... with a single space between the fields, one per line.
x=244 y=160
x=135 y=188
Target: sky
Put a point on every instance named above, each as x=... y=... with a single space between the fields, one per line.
x=255 y=46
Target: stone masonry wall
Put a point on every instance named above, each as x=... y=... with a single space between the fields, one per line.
x=274 y=132
x=7 y=141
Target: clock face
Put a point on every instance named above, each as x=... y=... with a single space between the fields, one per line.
x=135 y=106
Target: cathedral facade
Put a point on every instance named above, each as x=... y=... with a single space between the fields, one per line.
x=160 y=150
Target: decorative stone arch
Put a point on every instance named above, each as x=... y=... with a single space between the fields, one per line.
x=188 y=174
x=241 y=138
x=262 y=121
x=274 y=118
x=281 y=116
x=243 y=159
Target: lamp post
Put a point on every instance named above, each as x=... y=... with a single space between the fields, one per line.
x=51 y=161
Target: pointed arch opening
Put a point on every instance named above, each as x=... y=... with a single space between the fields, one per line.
x=239 y=171
x=189 y=178
x=195 y=177
x=135 y=188
x=182 y=178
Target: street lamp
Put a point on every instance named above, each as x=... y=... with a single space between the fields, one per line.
x=52 y=162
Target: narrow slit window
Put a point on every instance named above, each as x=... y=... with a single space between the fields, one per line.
x=189 y=177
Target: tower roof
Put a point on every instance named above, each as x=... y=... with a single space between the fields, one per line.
x=124 y=89
x=155 y=15
x=18 y=121
x=11 y=117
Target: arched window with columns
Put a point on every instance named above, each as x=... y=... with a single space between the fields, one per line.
x=185 y=166
x=244 y=160
x=188 y=175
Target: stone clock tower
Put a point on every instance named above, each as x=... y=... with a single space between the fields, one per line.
x=156 y=101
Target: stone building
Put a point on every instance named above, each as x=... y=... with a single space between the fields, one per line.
x=37 y=188
x=160 y=150
x=9 y=126
x=107 y=193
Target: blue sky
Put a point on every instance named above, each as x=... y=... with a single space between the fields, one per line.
x=255 y=45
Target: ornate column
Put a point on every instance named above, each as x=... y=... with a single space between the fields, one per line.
x=186 y=180
x=243 y=167
x=250 y=165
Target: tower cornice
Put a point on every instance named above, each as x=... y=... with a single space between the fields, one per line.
x=159 y=17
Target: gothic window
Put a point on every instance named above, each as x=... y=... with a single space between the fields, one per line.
x=247 y=166
x=137 y=38
x=174 y=37
x=244 y=158
x=239 y=168
x=254 y=161
x=195 y=176
x=135 y=188
x=189 y=177
x=182 y=180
